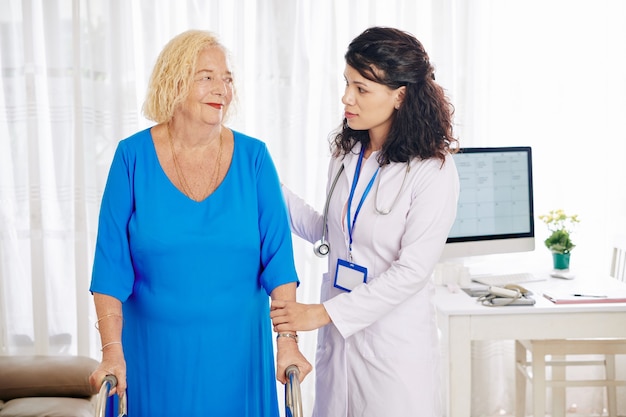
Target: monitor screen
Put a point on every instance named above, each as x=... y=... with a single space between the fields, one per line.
x=495 y=212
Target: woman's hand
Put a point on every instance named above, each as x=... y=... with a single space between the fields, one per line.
x=294 y=316
x=113 y=363
x=287 y=347
x=288 y=354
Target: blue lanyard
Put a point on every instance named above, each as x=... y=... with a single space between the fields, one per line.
x=358 y=209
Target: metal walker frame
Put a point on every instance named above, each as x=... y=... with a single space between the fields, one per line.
x=293 y=395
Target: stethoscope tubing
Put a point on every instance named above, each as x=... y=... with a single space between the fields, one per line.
x=322 y=247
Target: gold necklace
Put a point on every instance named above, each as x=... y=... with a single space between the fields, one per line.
x=181 y=177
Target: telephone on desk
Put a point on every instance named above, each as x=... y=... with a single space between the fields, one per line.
x=509 y=295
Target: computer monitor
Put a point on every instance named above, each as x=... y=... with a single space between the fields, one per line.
x=495 y=212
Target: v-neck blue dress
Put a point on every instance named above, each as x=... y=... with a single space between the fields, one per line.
x=194 y=279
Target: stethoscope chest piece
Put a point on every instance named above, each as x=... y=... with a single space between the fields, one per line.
x=321 y=248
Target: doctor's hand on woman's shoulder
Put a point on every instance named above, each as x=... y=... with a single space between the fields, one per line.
x=294 y=316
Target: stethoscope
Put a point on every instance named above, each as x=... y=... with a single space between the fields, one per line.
x=322 y=247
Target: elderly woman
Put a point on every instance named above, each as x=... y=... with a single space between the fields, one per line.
x=193 y=236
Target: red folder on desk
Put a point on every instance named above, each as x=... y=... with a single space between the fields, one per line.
x=563 y=297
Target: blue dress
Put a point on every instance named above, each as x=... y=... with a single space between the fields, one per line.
x=194 y=279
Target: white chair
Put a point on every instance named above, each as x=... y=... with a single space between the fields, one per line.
x=533 y=369
x=618 y=262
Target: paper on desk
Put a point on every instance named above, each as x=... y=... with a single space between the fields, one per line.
x=585 y=297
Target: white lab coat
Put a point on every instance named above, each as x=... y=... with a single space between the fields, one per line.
x=380 y=355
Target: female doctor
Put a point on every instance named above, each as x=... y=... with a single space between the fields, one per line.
x=391 y=200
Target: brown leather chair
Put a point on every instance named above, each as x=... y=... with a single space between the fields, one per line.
x=50 y=386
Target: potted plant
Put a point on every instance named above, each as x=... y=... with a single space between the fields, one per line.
x=559 y=242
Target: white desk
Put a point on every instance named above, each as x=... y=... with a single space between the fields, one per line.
x=463 y=320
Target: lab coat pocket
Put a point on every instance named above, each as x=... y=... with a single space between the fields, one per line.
x=393 y=336
x=370 y=343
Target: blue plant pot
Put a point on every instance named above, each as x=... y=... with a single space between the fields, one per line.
x=560 y=260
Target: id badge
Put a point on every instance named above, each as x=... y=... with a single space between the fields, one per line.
x=349 y=275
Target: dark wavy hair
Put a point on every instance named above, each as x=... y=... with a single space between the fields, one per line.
x=422 y=126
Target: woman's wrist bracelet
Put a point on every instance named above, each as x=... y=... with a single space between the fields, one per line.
x=104 y=317
x=289 y=335
x=109 y=344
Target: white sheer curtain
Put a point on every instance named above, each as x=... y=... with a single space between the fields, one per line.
x=545 y=74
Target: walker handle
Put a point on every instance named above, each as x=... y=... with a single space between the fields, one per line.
x=293 y=396
x=108 y=383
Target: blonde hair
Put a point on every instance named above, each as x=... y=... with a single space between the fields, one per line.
x=172 y=75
